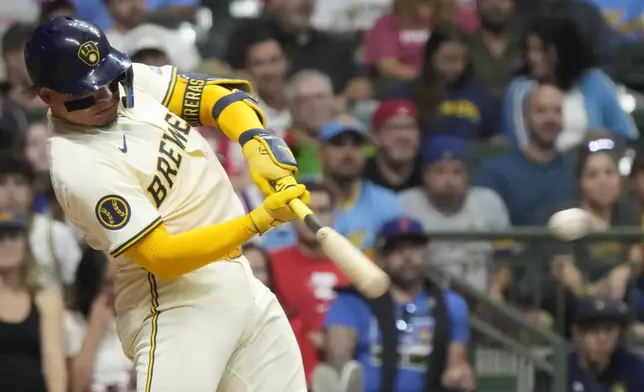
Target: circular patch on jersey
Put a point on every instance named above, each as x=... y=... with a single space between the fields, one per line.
x=113 y=212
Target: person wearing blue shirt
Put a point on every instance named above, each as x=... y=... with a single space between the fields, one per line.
x=533 y=179
x=429 y=326
x=447 y=96
x=363 y=206
x=95 y=11
x=599 y=363
x=626 y=17
x=557 y=54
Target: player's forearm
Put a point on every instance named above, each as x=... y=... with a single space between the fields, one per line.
x=170 y=256
x=233 y=119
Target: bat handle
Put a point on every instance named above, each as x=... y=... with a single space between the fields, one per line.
x=306 y=215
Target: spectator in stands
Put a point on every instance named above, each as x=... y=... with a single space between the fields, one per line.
x=415 y=337
x=363 y=207
x=536 y=177
x=125 y=16
x=494 y=47
x=264 y=62
x=599 y=266
x=50 y=9
x=394 y=46
x=624 y=16
x=594 y=30
x=18 y=83
x=310 y=98
x=317 y=276
x=158 y=46
x=97 y=11
x=556 y=53
x=32 y=337
x=290 y=23
x=94 y=354
x=32 y=144
x=53 y=245
x=348 y=17
x=447 y=97
x=637 y=184
x=446 y=202
x=396 y=137
x=600 y=362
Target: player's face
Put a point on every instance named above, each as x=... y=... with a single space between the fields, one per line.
x=597 y=342
x=322 y=207
x=259 y=266
x=267 y=66
x=398 y=139
x=405 y=261
x=600 y=180
x=343 y=157
x=13 y=247
x=101 y=113
x=16 y=194
x=446 y=180
x=36 y=147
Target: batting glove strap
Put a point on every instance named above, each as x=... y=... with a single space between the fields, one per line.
x=275 y=147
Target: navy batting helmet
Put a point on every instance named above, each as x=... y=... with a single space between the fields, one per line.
x=73 y=57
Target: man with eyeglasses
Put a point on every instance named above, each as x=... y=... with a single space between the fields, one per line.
x=147 y=189
x=412 y=339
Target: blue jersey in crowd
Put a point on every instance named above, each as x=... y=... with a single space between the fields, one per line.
x=94 y=11
x=467 y=110
x=529 y=190
x=626 y=17
x=359 y=219
x=349 y=310
x=624 y=374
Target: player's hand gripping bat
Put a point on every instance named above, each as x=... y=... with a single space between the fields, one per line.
x=370 y=280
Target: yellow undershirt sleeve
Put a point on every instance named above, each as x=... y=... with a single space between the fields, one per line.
x=201 y=101
x=170 y=256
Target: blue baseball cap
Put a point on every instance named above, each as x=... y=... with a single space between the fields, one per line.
x=594 y=309
x=332 y=129
x=443 y=147
x=401 y=228
x=9 y=220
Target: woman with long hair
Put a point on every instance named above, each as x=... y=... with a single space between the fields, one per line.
x=94 y=355
x=555 y=53
x=394 y=46
x=600 y=267
x=32 y=356
x=446 y=95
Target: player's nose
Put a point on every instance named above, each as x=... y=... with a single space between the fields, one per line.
x=103 y=94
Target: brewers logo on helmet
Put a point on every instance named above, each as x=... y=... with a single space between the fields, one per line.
x=53 y=52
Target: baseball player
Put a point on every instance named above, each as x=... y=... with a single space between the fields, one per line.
x=144 y=187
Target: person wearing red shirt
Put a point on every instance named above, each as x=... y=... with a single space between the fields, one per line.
x=305 y=278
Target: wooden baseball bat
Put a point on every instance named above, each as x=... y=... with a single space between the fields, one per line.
x=368 y=278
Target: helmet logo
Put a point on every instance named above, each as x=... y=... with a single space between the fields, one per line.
x=89 y=54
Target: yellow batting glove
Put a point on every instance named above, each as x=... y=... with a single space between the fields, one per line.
x=275 y=210
x=272 y=164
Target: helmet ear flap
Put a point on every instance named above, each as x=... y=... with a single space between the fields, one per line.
x=127 y=100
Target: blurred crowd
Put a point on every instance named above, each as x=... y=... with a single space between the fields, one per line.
x=407 y=118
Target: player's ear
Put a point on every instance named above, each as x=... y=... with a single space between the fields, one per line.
x=44 y=93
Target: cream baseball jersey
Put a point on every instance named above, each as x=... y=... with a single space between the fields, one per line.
x=118 y=183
